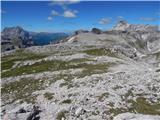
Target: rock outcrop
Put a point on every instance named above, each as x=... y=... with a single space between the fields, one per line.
x=96 y=31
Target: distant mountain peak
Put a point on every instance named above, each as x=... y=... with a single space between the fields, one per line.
x=124 y=26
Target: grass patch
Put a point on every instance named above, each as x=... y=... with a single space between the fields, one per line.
x=103 y=96
x=61 y=115
x=54 y=66
x=100 y=52
x=117 y=87
x=91 y=69
x=22 y=90
x=67 y=101
x=39 y=67
x=116 y=111
x=157 y=55
x=48 y=95
x=8 y=61
x=141 y=105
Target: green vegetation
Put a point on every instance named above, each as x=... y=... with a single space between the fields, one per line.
x=48 y=95
x=157 y=54
x=100 y=52
x=141 y=105
x=9 y=60
x=90 y=69
x=7 y=65
x=67 y=101
x=117 y=87
x=57 y=65
x=22 y=89
x=103 y=96
x=116 y=111
x=61 y=115
x=141 y=44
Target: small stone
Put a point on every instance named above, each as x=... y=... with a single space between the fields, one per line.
x=80 y=111
x=22 y=110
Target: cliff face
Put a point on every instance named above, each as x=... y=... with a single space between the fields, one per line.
x=15 y=37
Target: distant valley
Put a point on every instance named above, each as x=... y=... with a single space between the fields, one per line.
x=17 y=37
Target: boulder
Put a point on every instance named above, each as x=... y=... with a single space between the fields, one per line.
x=96 y=31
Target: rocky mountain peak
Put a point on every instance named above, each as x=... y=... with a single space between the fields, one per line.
x=15 y=37
x=124 y=26
x=121 y=25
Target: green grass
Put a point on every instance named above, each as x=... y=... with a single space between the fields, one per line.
x=8 y=61
x=90 y=69
x=141 y=105
x=61 y=115
x=116 y=111
x=39 y=67
x=67 y=101
x=7 y=65
x=103 y=96
x=100 y=52
x=56 y=65
x=22 y=89
x=157 y=55
x=48 y=95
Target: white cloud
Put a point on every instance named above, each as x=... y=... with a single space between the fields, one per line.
x=54 y=13
x=119 y=18
x=149 y=19
x=69 y=14
x=104 y=21
x=49 y=18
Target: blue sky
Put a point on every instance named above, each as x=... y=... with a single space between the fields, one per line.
x=72 y=15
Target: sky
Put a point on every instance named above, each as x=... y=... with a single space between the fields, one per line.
x=66 y=16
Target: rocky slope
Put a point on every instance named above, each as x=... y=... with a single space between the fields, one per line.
x=100 y=75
